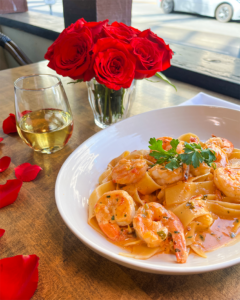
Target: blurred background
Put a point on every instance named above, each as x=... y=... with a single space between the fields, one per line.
x=185 y=28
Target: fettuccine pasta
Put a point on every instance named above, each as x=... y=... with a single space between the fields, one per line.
x=150 y=202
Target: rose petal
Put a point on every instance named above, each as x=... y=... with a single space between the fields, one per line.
x=1 y=139
x=9 y=124
x=27 y=172
x=19 y=277
x=4 y=163
x=1 y=232
x=9 y=192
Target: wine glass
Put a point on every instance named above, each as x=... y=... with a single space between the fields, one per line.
x=43 y=114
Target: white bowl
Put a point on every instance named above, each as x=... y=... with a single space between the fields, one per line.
x=79 y=176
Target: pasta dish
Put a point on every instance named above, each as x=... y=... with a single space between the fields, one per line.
x=182 y=196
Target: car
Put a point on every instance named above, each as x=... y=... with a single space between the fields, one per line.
x=223 y=11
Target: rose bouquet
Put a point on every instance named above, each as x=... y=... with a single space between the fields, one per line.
x=109 y=58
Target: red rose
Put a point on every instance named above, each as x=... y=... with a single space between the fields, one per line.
x=162 y=46
x=75 y=27
x=95 y=27
x=120 y=31
x=70 y=54
x=113 y=63
x=149 y=58
x=50 y=52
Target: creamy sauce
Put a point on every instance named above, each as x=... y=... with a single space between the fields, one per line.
x=221 y=232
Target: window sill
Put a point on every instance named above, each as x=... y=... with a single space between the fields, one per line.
x=42 y=25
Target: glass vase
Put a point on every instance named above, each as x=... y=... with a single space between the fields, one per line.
x=109 y=106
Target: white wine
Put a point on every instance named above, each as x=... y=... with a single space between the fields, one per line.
x=46 y=130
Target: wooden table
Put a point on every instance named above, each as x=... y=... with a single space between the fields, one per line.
x=68 y=269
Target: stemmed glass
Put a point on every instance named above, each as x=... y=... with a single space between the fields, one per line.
x=43 y=114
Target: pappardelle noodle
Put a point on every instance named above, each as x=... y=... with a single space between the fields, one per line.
x=181 y=196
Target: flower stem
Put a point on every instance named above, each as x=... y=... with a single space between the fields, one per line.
x=122 y=108
x=105 y=104
x=109 y=107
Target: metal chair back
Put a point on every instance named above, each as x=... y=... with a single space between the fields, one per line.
x=20 y=57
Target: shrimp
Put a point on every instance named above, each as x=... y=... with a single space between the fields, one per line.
x=166 y=142
x=221 y=161
x=194 y=139
x=154 y=224
x=115 y=209
x=167 y=146
x=227 y=181
x=142 y=154
x=224 y=144
x=201 y=170
x=129 y=171
x=164 y=176
x=221 y=156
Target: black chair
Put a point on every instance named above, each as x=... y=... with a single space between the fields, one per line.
x=14 y=50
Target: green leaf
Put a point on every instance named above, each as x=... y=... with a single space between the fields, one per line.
x=193 y=154
x=197 y=146
x=173 y=164
x=157 y=146
x=186 y=158
x=174 y=143
x=213 y=165
x=164 y=78
x=79 y=80
x=151 y=80
x=197 y=159
x=209 y=156
x=158 y=155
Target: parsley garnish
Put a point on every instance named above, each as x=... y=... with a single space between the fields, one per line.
x=193 y=154
x=214 y=166
x=191 y=205
x=162 y=234
x=113 y=218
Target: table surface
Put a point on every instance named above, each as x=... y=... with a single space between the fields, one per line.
x=67 y=268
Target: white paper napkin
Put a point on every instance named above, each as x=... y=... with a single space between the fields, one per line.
x=205 y=99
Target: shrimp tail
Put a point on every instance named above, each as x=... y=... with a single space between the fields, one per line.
x=181 y=255
x=179 y=242
x=112 y=231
